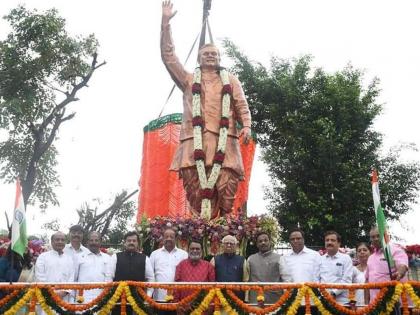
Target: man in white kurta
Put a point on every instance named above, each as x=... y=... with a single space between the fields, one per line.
x=75 y=247
x=164 y=261
x=93 y=266
x=55 y=265
x=301 y=264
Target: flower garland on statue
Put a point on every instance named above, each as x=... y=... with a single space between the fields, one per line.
x=207 y=184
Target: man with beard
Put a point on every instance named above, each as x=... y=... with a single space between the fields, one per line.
x=131 y=265
x=335 y=266
x=94 y=266
x=193 y=269
x=164 y=261
x=264 y=266
x=229 y=266
x=55 y=265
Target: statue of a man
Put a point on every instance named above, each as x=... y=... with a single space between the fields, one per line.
x=208 y=158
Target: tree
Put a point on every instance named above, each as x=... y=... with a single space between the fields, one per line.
x=315 y=130
x=111 y=222
x=42 y=68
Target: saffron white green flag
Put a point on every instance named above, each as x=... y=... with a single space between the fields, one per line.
x=19 y=237
x=380 y=219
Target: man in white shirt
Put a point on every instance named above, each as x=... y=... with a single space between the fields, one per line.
x=164 y=261
x=94 y=266
x=55 y=265
x=301 y=264
x=75 y=247
x=335 y=266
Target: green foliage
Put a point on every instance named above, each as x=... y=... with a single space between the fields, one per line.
x=41 y=68
x=315 y=130
x=112 y=222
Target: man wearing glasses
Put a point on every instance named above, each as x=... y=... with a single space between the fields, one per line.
x=229 y=266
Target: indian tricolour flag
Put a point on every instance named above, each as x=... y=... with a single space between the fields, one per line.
x=19 y=237
x=380 y=219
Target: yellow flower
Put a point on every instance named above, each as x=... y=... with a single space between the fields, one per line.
x=395 y=297
x=41 y=301
x=169 y=298
x=225 y=303
x=117 y=294
x=318 y=303
x=23 y=300
x=295 y=305
x=80 y=299
x=260 y=298
x=204 y=305
x=413 y=296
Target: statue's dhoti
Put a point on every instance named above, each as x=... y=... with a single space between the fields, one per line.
x=225 y=190
x=231 y=173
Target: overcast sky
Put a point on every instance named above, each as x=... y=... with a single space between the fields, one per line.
x=100 y=149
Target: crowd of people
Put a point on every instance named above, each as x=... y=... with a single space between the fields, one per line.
x=74 y=262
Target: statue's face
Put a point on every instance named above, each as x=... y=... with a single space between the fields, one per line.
x=209 y=57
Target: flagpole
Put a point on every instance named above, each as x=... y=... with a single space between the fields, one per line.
x=19 y=239
x=397 y=310
x=12 y=260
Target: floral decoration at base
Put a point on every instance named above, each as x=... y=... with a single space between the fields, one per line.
x=208 y=232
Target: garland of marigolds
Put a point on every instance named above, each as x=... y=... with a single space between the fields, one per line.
x=207 y=184
x=222 y=296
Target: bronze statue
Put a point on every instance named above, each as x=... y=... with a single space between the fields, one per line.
x=208 y=158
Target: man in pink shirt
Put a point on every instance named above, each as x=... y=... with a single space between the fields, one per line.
x=193 y=269
x=377 y=266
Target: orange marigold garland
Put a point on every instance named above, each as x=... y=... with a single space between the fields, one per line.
x=169 y=307
x=32 y=305
x=307 y=303
x=71 y=307
x=123 y=304
x=8 y=297
x=216 y=302
x=384 y=302
x=404 y=302
x=326 y=299
x=256 y=310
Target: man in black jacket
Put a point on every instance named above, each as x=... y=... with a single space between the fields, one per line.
x=132 y=265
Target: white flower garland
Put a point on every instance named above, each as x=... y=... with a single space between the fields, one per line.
x=209 y=183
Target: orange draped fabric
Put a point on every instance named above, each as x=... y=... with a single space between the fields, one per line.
x=161 y=191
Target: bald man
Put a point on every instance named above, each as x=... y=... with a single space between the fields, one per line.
x=54 y=265
x=229 y=266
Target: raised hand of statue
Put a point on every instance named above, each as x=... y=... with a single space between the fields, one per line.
x=245 y=134
x=167 y=11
